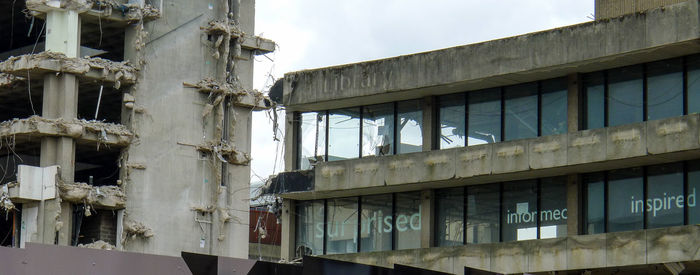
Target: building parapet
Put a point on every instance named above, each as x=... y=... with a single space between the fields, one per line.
x=92 y=131
x=644 y=143
x=111 y=10
x=656 y=34
x=36 y=65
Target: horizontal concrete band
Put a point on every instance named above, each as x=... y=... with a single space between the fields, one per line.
x=637 y=144
x=636 y=38
x=651 y=246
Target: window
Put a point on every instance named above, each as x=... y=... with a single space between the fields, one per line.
x=341 y=226
x=483 y=213
x=484 y=117
x=594 y=100
x=449 y=218
x=312 y=138
x=693 y=84
x=665 y=89
x=665 y=201
x=625 y=200
x=408 y=220
x=691 y=194
x=376 y=223
x=343 y=134
x=409 y=126
x=595 y=198
x=378 y=130
x=625 y=93
x=519 y=211
x=553 y=211
x=309 y=228
x=520 y=112
x=554 y=107
x=452 y=121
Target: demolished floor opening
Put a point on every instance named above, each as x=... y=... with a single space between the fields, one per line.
x=97 y=166
x=15 y=151
x=100 y=225
x=9 y=227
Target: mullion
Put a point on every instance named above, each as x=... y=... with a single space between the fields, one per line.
x=466 y=120
x=327 y=135
x=539 y=111
x=359 y=224
x=605 y=100
x=503 y=113
x=645 y=97
x=464 y=216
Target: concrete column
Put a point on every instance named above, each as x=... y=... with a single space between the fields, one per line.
x=573 y=205
x=290 y=141
x=427 y=234
x=429 y=118
x=60 y=100
x=574 y=87
x=288 y=230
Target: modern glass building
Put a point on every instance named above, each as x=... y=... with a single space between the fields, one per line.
x=572 y=149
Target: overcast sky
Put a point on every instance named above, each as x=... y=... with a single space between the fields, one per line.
x=320 y=33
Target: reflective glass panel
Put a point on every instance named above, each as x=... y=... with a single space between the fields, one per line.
x=484 y=117
x=483 y=213
x=312 y=139
x=452 y=121
x=665 y=89
x=595 y=203
x=519 y=210
x=520 y=111
x=343 y=134
x=553 y=212
x=309 y=228
x=341 y=227
x=594 y=100
x=376 y=223
x=450 y=216
x=693 y=186
x=554 y=104
x=625 y=200
x=410 y=125
x=408 y=220
x=625 y=95
x=693 y=84
x=378 y=130
x=665 y=199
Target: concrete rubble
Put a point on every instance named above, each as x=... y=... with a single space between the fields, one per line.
x=76 y=5
x=220 y=27
x=225 y=152
x=5 y=202
x=103 y=197
x=241 y=96
x=8 y=80
x=100 y=244
x=94 y=67
x=130 y=12
x=134 y=229
x=100 y=132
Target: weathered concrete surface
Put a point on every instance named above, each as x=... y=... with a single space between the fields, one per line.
x=122 y=11
x=605 y=9
x=100 y=197
x=91 y=131
x=657 y=34
x=611 y=250
x=94 y=68
x=644 y=143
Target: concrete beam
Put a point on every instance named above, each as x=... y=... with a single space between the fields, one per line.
x=100 y=197
x=96 y=69
x=258 y=45
x=637 y=144
x=241 y=97
x=654 y=35
x=8 y=80
x=119 y=11
x=89 y=131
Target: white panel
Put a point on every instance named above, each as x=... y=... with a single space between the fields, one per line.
x=49 y=182
x=29 y=224
x=30 y=182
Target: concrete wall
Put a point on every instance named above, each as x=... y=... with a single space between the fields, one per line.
x=652 y=246
x=605 y=9
x=637 y=144
x=632 y=39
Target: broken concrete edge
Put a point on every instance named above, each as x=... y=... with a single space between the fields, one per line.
x=133 y=229
x=100 y=132
x=241 y=97
x=258 y=44
x=90 y=68
x=99 y=244
x=5 y=201
x=100 y=197
x=223 y=27
x=8 y=80
x=225 y=152
x=110 y=10
x=249 y=42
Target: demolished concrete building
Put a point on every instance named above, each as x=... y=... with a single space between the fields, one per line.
x=573 y=150
x=126 y=124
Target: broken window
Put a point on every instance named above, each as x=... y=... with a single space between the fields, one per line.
x=452 y=121
x=310 y=229
x=343 y=134
x=378 y=130
x=409 y=126
x=312 y=139
x=100 y=102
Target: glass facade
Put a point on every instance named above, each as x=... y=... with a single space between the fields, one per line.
x=312 y=138
x=449 y=225
x=452 y=121
x=664 y=89
x=483 y=213
x=378 y=130
x=625 y=97
x=409 y=126
x=693 y=83
x=341 y=226
x=594 y=100
x=554 y=107
x=309 y=228
x=376 y=219
x=553 y=211
x=343 y=134
x=521 y=112
x=484 y=122
x=519 y=211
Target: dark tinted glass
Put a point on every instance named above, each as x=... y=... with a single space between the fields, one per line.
x=520 y=111
x=450 y=216
x=693 y=186
x=595 y=203
x=693 y=84
x=376 y=223
x=519 y=211
x=625 y=95
x=665 y=199
x=553 y=212
x=483 y=213
x=342 y=226
x=484 y=117
x=594 y=100
x=665 y=89
x=554 y=107
x=452 y=121
x=625 y=200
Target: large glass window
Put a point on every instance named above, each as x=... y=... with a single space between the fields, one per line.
x=665 y=89
x=693 y=186
x=625 y=200
x=594 y=100
x=483 y=213
x=693 y=84
x=484 y=117
x=520 y=111
x=408 y=220
x=452 y=121
x=595 y=206
x=553 y=212
x=343 y=134
x=664 y=201
x=519 y=211
x=312 y=138
x=341 y=226
x=309 y=228
x=554 y=107
x=410 y=125
x=625 y=95
x=376 y=223
x=449 y=216
x=378 y=130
